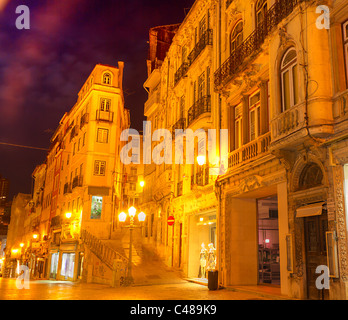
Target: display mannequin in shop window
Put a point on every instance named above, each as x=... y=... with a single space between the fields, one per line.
x=211 y=257
x=203 y=261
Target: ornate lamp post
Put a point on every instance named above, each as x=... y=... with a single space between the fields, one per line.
x=122 y=218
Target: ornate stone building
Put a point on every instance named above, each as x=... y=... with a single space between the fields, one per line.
x=274 y=73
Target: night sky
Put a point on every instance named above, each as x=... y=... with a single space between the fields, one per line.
x=43 y=68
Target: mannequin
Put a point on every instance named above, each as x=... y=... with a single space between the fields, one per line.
x=211 y=257
x=203 y=260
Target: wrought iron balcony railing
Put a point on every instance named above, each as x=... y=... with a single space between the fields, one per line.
x=180 y=124
x=251 y=45
x=201 y=106
x=74 y=131
x=205 y=40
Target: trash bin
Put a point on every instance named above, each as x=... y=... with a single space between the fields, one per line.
x=212 y=280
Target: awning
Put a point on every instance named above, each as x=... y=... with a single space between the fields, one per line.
x=314 y=209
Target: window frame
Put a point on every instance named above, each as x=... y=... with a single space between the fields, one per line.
x=256 y=108
x=107 y=78
x=262 y=10
x=105 y=104
x=238 y=119
x=102 y=135
x=288 y=68
x=100 y=165
x=234 y=37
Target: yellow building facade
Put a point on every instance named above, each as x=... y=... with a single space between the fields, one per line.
x=274 y=74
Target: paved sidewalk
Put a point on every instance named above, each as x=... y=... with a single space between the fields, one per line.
x=65 y=290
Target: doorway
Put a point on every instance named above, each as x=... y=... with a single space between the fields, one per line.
x=315 y=228
x=268 y=241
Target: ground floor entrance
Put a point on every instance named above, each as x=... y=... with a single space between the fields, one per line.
x=268 y=241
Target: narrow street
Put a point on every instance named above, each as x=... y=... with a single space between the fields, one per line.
x=65 y=290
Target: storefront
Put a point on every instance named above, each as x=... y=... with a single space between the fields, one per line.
x=54 y=257
x=202 y=245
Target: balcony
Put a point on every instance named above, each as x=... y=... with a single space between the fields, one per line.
x=154 y=98
x=84 y=119
x=102 y=115
x=74 y=131
x=67 y=188
x=203 y=105
x=205 y=40
x=77 y=182
x=251 y=46
x=180 y=124
x=249 y=151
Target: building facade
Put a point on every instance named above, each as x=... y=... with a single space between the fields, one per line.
x=274 y=74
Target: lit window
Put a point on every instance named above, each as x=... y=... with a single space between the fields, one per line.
x=289 y=79
x=254 y=116
x=107 y=78
x=102 y=135
x=99 y=168
x=105 y=104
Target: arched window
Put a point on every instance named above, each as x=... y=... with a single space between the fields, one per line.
x=311 y=176
x=289 y=79
x=236 y=37
x=260 y=11
x=107 y=78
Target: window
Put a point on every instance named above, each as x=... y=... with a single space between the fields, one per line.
x=107 y=78
x=345 y=42
x=99 y=168
x=105 y=104
x=84 y=139
x=102 y=135
x=201 y=85
x=254 y=116
x=261 y=10
x=202 y=26
x=289 y=79
x=238 y=126
x=236 y=37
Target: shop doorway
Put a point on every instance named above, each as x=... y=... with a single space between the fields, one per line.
x=268 y=241
x=68 y=264
x=315 y=229
x=54 y=265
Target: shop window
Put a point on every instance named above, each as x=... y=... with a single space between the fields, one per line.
x=68 y=262
x=289 y=79
x=96 y=207
x=236 y=37
x=345 y=43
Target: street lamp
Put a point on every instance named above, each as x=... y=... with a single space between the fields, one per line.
x=122 y=218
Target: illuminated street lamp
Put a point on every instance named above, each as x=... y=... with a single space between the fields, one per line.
x=122 y=218
x=142 y=183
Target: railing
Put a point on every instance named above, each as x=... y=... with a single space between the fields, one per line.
x=288 y=121
x=103 y=252
x=180 y=124
x=104 y=115
x=249 y=151
x=84 y=119
x=205 y=40
x=67 y=188
x=77 y=182
x=251 y=46
x=201 y=106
